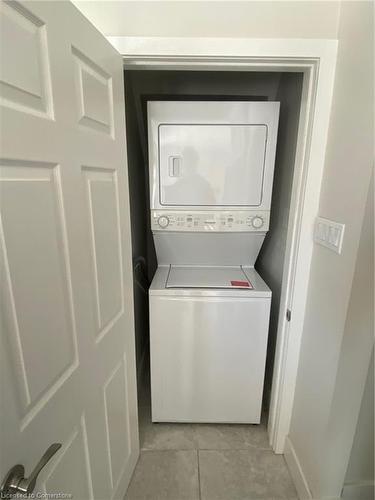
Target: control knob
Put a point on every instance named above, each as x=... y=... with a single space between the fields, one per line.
x=163 y=221
x=257 y=222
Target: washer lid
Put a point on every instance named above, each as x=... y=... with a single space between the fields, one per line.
x=208 y=277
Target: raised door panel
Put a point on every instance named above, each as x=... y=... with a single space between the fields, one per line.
x=71 y=471
x=25 y=81
x=117 y=421
x=40 y=316
x=103 y=214
x=94 y=94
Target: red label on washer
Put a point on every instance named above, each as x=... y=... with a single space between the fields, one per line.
x=243 y=283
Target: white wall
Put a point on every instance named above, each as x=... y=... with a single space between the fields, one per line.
x=262 y=19
x=338 y=330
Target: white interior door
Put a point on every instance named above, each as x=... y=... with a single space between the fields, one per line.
x=68 y=364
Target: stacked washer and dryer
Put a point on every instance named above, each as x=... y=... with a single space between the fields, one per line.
x=211 y=170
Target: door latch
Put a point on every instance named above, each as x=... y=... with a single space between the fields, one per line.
x=15 y=482
x=288 y=314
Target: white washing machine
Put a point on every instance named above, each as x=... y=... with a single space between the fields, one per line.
x=211 y=172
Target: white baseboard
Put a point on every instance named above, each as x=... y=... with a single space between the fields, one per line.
x=298 y=476
x=358 y=491
x=296 y=471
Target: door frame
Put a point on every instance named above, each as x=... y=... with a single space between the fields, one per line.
x=316 y=59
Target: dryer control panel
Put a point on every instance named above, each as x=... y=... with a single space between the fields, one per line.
x=214 y=221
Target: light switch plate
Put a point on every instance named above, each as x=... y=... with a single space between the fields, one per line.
x=330 y=234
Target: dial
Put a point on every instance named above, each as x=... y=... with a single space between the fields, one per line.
x=257 y=222
x=163 y=221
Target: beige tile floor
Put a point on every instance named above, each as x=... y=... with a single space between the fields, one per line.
x=206 y=462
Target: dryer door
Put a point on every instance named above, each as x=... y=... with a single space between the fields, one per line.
x=205 y=165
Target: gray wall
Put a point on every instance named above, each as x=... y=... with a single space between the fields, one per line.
x=271 y=258
x=139 y=220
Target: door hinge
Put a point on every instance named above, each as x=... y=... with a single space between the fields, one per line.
x=288 y=314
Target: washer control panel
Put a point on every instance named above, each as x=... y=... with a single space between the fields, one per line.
x=219 y=221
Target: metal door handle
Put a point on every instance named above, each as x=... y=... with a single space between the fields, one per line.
x=15 y=482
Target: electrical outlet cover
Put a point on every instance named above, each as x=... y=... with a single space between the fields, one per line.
x=329 y=234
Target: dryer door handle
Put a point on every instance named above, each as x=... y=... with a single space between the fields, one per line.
x=175 y=163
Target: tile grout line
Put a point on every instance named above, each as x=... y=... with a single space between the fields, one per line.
x=199 y=476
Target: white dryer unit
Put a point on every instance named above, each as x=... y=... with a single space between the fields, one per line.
x=212 y=155
x=211 y=171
